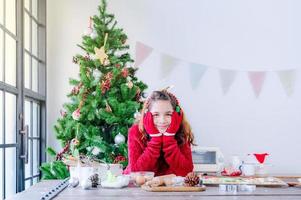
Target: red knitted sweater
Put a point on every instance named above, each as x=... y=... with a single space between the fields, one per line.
x=161 y=155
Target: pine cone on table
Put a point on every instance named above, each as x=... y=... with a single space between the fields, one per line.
x=191 y=179
x=94 y=180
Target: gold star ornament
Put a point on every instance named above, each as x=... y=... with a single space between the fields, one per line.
x=101 y=54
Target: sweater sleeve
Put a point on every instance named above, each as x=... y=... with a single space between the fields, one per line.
x=178 y=157
x=142 y=158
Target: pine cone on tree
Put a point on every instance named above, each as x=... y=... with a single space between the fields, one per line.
x=191 y=179
x=94 y=180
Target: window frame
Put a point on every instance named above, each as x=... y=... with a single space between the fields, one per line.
x=20 y=91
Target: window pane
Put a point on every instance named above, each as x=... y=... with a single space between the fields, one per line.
x=42 y=78
x=1 y=119
x=34 y=38
x=28 y=165
x=10 y=118
x=10 y=60
x=27 y=71
x=10 y=172
x=27 y=4
x=1 y=17
x=1 y=55
x=34 y=75
x=27 y=184
x=10 y=18
x=35 y=118
x=27 y=118
x=35 y=180
x=35 y=157
x=1 y=173
x=34 y=7
x=27 y=32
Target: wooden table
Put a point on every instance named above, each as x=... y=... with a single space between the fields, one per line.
x=131 y=193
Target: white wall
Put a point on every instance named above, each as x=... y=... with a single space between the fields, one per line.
x=240 y=35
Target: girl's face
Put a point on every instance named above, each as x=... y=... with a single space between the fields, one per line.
x=161 y=111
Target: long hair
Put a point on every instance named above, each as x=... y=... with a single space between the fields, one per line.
x=184 y=134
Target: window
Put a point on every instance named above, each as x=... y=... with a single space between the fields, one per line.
x=22 y=93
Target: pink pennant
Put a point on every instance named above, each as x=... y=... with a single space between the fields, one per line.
x=257 y=80
x=142 y=52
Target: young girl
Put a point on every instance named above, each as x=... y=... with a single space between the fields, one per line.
x=161 y=141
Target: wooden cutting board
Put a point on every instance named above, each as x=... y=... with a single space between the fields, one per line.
x=293 y=184
x=291 y=181
x=173 y=189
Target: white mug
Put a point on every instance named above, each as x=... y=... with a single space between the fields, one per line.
x=248 y=169
x=74 y=172
x=85 y=173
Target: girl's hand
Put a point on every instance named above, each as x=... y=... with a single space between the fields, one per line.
x=149 y=126
x=176 y=120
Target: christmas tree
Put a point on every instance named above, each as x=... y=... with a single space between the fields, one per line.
x=104 y=100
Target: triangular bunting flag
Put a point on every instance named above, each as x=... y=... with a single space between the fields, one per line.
x=287 y=78
x=196 y=73
x=227 y=78
x=257 y=80
x=168 y=63
x=142 y=52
